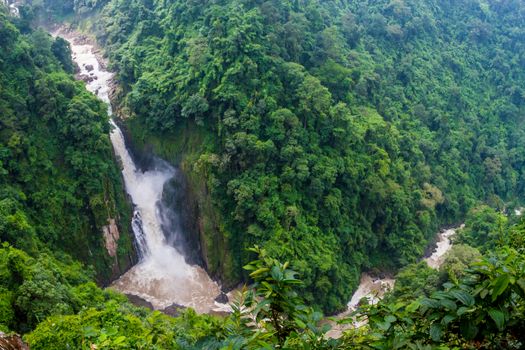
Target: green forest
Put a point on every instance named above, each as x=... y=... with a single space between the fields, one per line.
x=337 y=135
x=319 y=139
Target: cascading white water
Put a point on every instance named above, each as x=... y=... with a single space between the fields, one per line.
x=13 y=7
x=162 y=276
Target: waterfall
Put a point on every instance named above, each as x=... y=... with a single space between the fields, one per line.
x=13 y=9
x=162 y=276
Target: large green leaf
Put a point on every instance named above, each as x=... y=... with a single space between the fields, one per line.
x=390 y=319
x=277 y=274
x=384 y=326
x=430 y=303
x=499 y=286
x=413 y=306
x=449 y=304
x=447 y=319
x=463 y=297
x=463 y=310
x=498 y=317
x=259 y=271
x=436 y=332
x=440 y=295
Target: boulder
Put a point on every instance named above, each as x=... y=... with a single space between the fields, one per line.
x=173 y=310
x=222 y=298
x=86 y=78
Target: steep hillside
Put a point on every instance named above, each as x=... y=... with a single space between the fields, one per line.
x=60 y=187
x=337 y=135
x=328 y=137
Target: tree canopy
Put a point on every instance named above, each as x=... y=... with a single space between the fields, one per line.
x=339 y=136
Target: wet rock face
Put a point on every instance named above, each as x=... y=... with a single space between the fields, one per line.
x=111 y=237
x=12 y=342
x=89 y=67
x=179 y=219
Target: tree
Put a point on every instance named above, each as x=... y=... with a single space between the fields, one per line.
x=484 y=228
x=62 y=52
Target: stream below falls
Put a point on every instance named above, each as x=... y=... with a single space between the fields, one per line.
x=373 y=289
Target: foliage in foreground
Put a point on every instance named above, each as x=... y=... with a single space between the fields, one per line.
x=474 y=301
x=483 y=309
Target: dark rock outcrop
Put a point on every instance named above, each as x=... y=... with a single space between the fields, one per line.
x=222 y=298
x=173 y=310
x=138 y=301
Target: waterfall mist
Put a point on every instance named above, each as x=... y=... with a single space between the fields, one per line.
x=178 y=220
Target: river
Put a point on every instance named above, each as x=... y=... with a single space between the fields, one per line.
x=374 y=289
x=162 y=276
